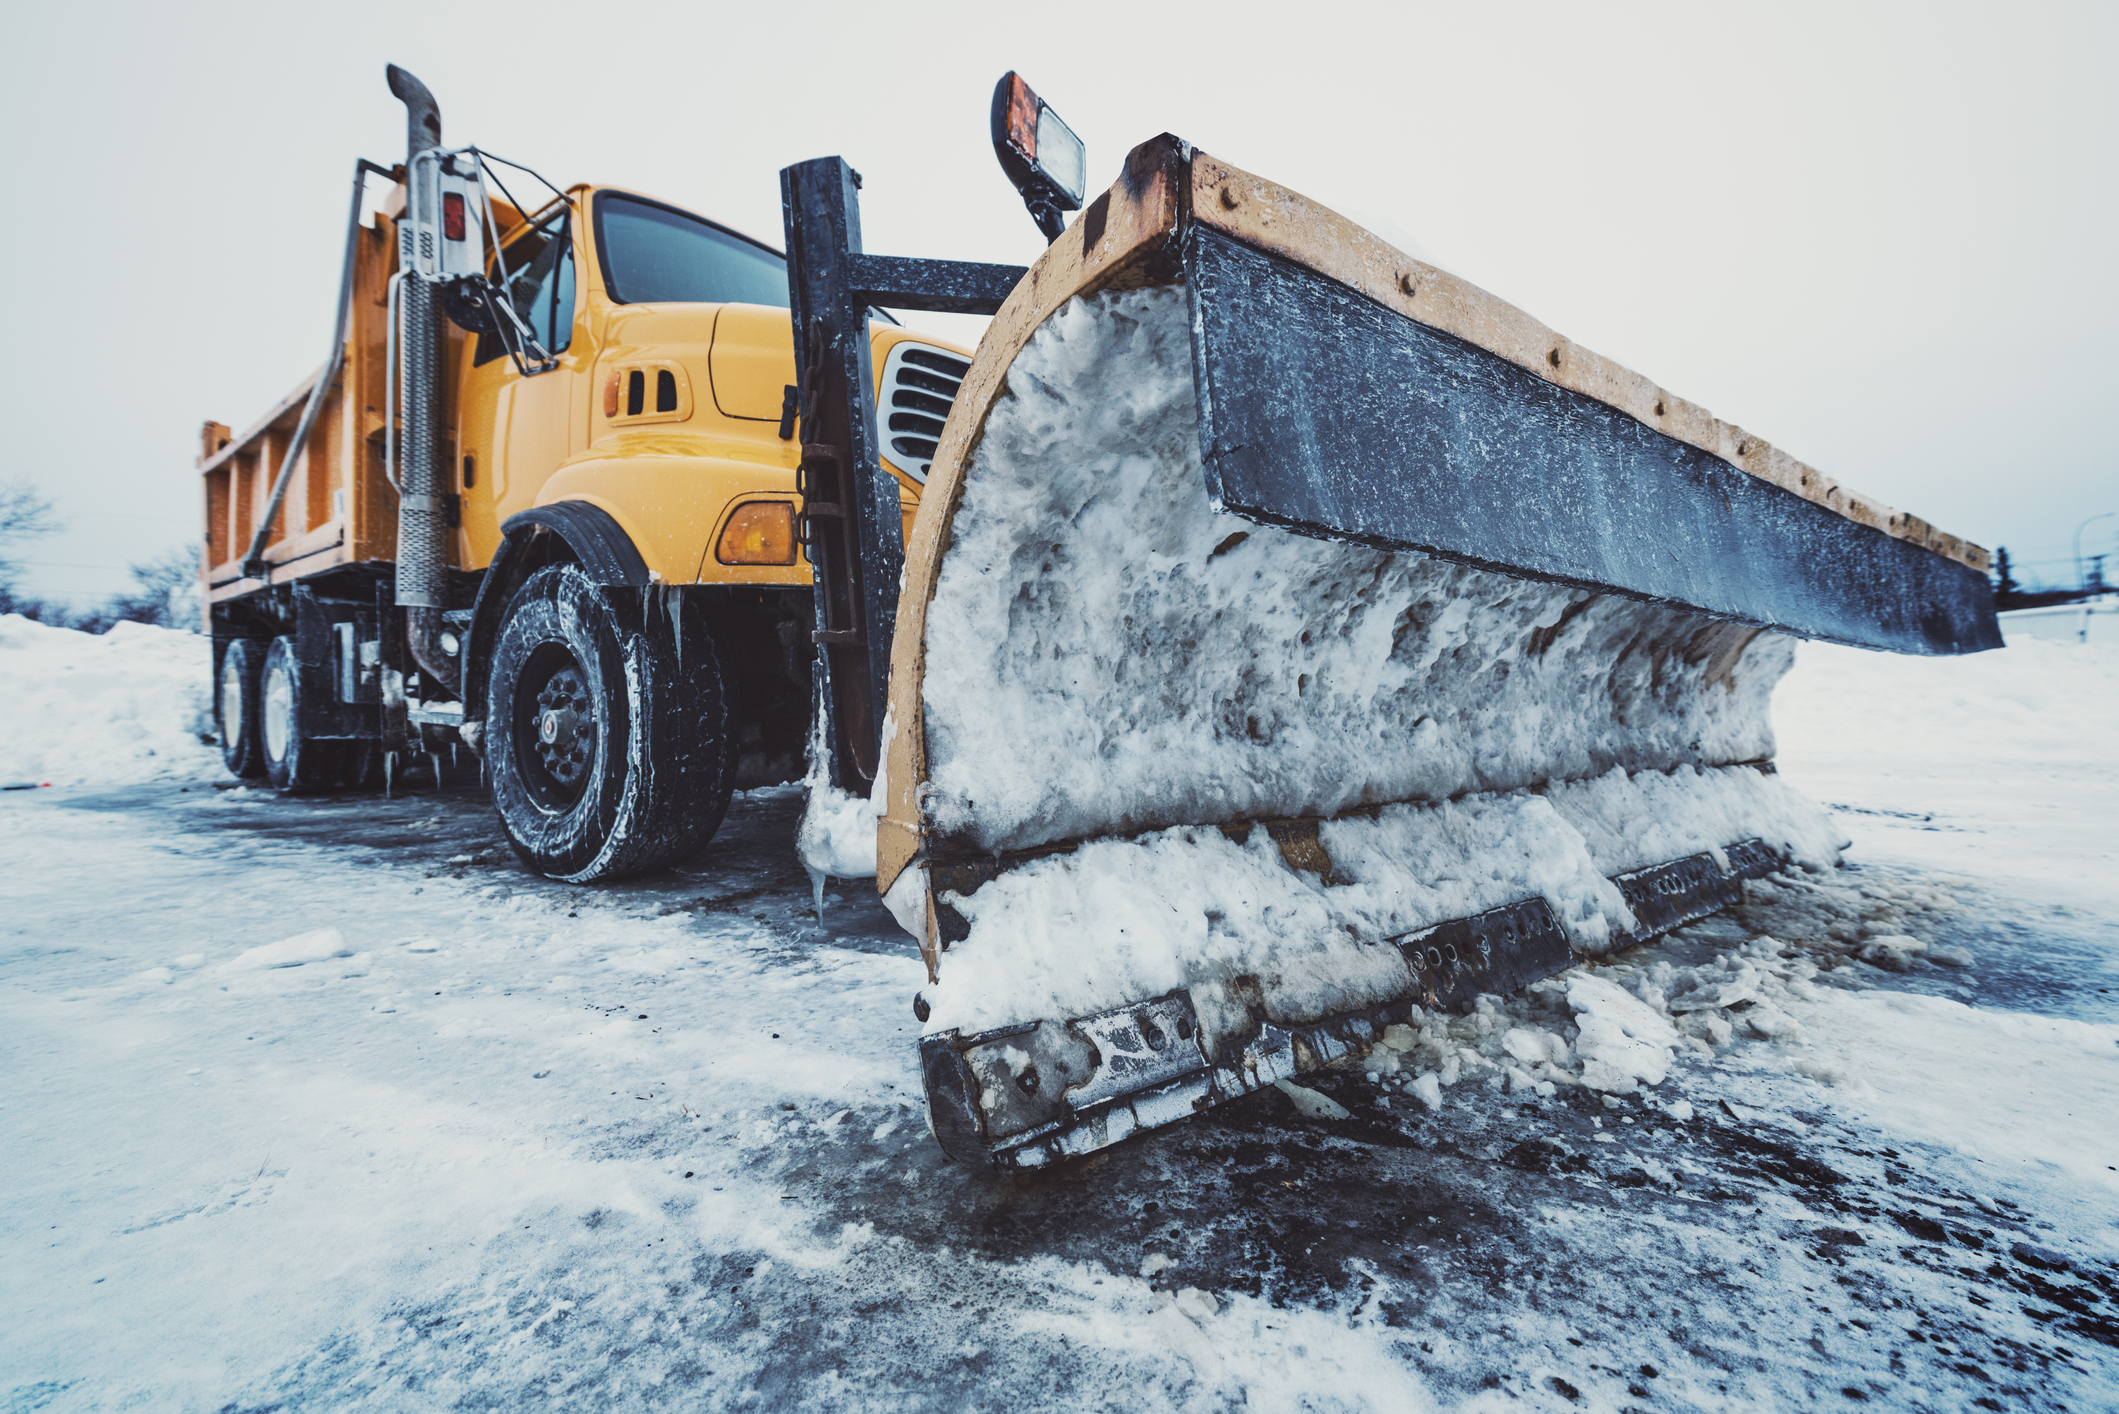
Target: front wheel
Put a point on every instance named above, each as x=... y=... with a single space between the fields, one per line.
x=608 y=751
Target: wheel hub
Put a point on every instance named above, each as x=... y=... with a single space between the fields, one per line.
x=231 y=703
x=564 y=718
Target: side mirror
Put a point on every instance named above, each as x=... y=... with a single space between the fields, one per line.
x=1041 y=155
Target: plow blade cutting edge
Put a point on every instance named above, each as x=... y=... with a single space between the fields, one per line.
x=1293 y=634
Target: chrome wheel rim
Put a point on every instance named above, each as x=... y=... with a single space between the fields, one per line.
x=231 y=701
x=556 y=728
x=278 y=712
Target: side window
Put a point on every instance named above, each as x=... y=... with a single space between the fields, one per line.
x=541 y=287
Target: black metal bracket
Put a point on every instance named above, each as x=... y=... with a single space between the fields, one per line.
x=942 y=286
x=851 y=528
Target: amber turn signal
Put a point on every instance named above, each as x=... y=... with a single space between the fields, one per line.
x=759 y=533
x=610 y=396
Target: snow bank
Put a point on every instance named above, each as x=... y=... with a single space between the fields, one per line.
x=2002 y=764
x=2011 y=1089
x=104 y=709
x=2093 y=621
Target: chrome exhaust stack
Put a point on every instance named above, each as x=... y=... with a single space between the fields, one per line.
x=423 y=503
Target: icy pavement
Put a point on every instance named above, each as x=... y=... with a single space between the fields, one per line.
x=499 y=1143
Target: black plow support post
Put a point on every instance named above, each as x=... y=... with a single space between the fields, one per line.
x=850 y=525
x=850 y=521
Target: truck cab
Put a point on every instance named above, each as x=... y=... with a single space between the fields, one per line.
x=625 y=624
x=670 y=408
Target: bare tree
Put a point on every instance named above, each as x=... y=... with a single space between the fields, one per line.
x=157 y=579
x=25 y=514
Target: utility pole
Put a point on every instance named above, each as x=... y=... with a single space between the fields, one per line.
x=2081 y=579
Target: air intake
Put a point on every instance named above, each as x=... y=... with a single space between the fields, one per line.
x=919 y=383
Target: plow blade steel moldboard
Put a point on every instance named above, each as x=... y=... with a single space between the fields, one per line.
x=1293 y=634
x=1322 y=411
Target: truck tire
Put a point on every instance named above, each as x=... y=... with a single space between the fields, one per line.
x=293 y=761
x=238 y=694
x=607 y=758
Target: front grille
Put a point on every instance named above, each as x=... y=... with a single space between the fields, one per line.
x=919 y=383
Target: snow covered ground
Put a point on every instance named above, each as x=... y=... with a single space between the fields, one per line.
x=326 y=1104
x=108 y=709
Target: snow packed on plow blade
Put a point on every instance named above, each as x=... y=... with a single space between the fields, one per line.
x=1271 y=661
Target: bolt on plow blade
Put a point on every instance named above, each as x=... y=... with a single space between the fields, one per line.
x=1294 y=635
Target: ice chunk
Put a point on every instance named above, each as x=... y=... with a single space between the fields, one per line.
x=1679 y=1110
x=1313 y=1104
x=1893 y=953
x=1714 y=1027
x=906 y=901
x=1833 y=1073
x=1531 y=1045
x=838 y=834
x=1197 y=1304
x=837 y=838
x=1744 y=987
x=1429 y=1089
x=313 y=946
x=1623 y=1040
x=1772 y=1023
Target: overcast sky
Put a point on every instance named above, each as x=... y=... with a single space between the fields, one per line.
x=1880 y=237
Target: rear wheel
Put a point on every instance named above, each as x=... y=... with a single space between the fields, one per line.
x=609 y=752
x=240 y=667
x=293 y=761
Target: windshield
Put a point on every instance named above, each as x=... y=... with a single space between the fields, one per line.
x=653 y=254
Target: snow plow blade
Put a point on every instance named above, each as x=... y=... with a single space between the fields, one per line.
x=1293 y=634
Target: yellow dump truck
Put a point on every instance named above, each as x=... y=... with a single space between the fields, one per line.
x=629 y=419
x=1290 y=637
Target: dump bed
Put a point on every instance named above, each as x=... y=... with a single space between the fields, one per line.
x=339 y=508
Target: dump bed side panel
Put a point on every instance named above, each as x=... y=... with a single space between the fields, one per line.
x=339 y=508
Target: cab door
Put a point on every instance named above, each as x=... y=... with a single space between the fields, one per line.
x=516 y=428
